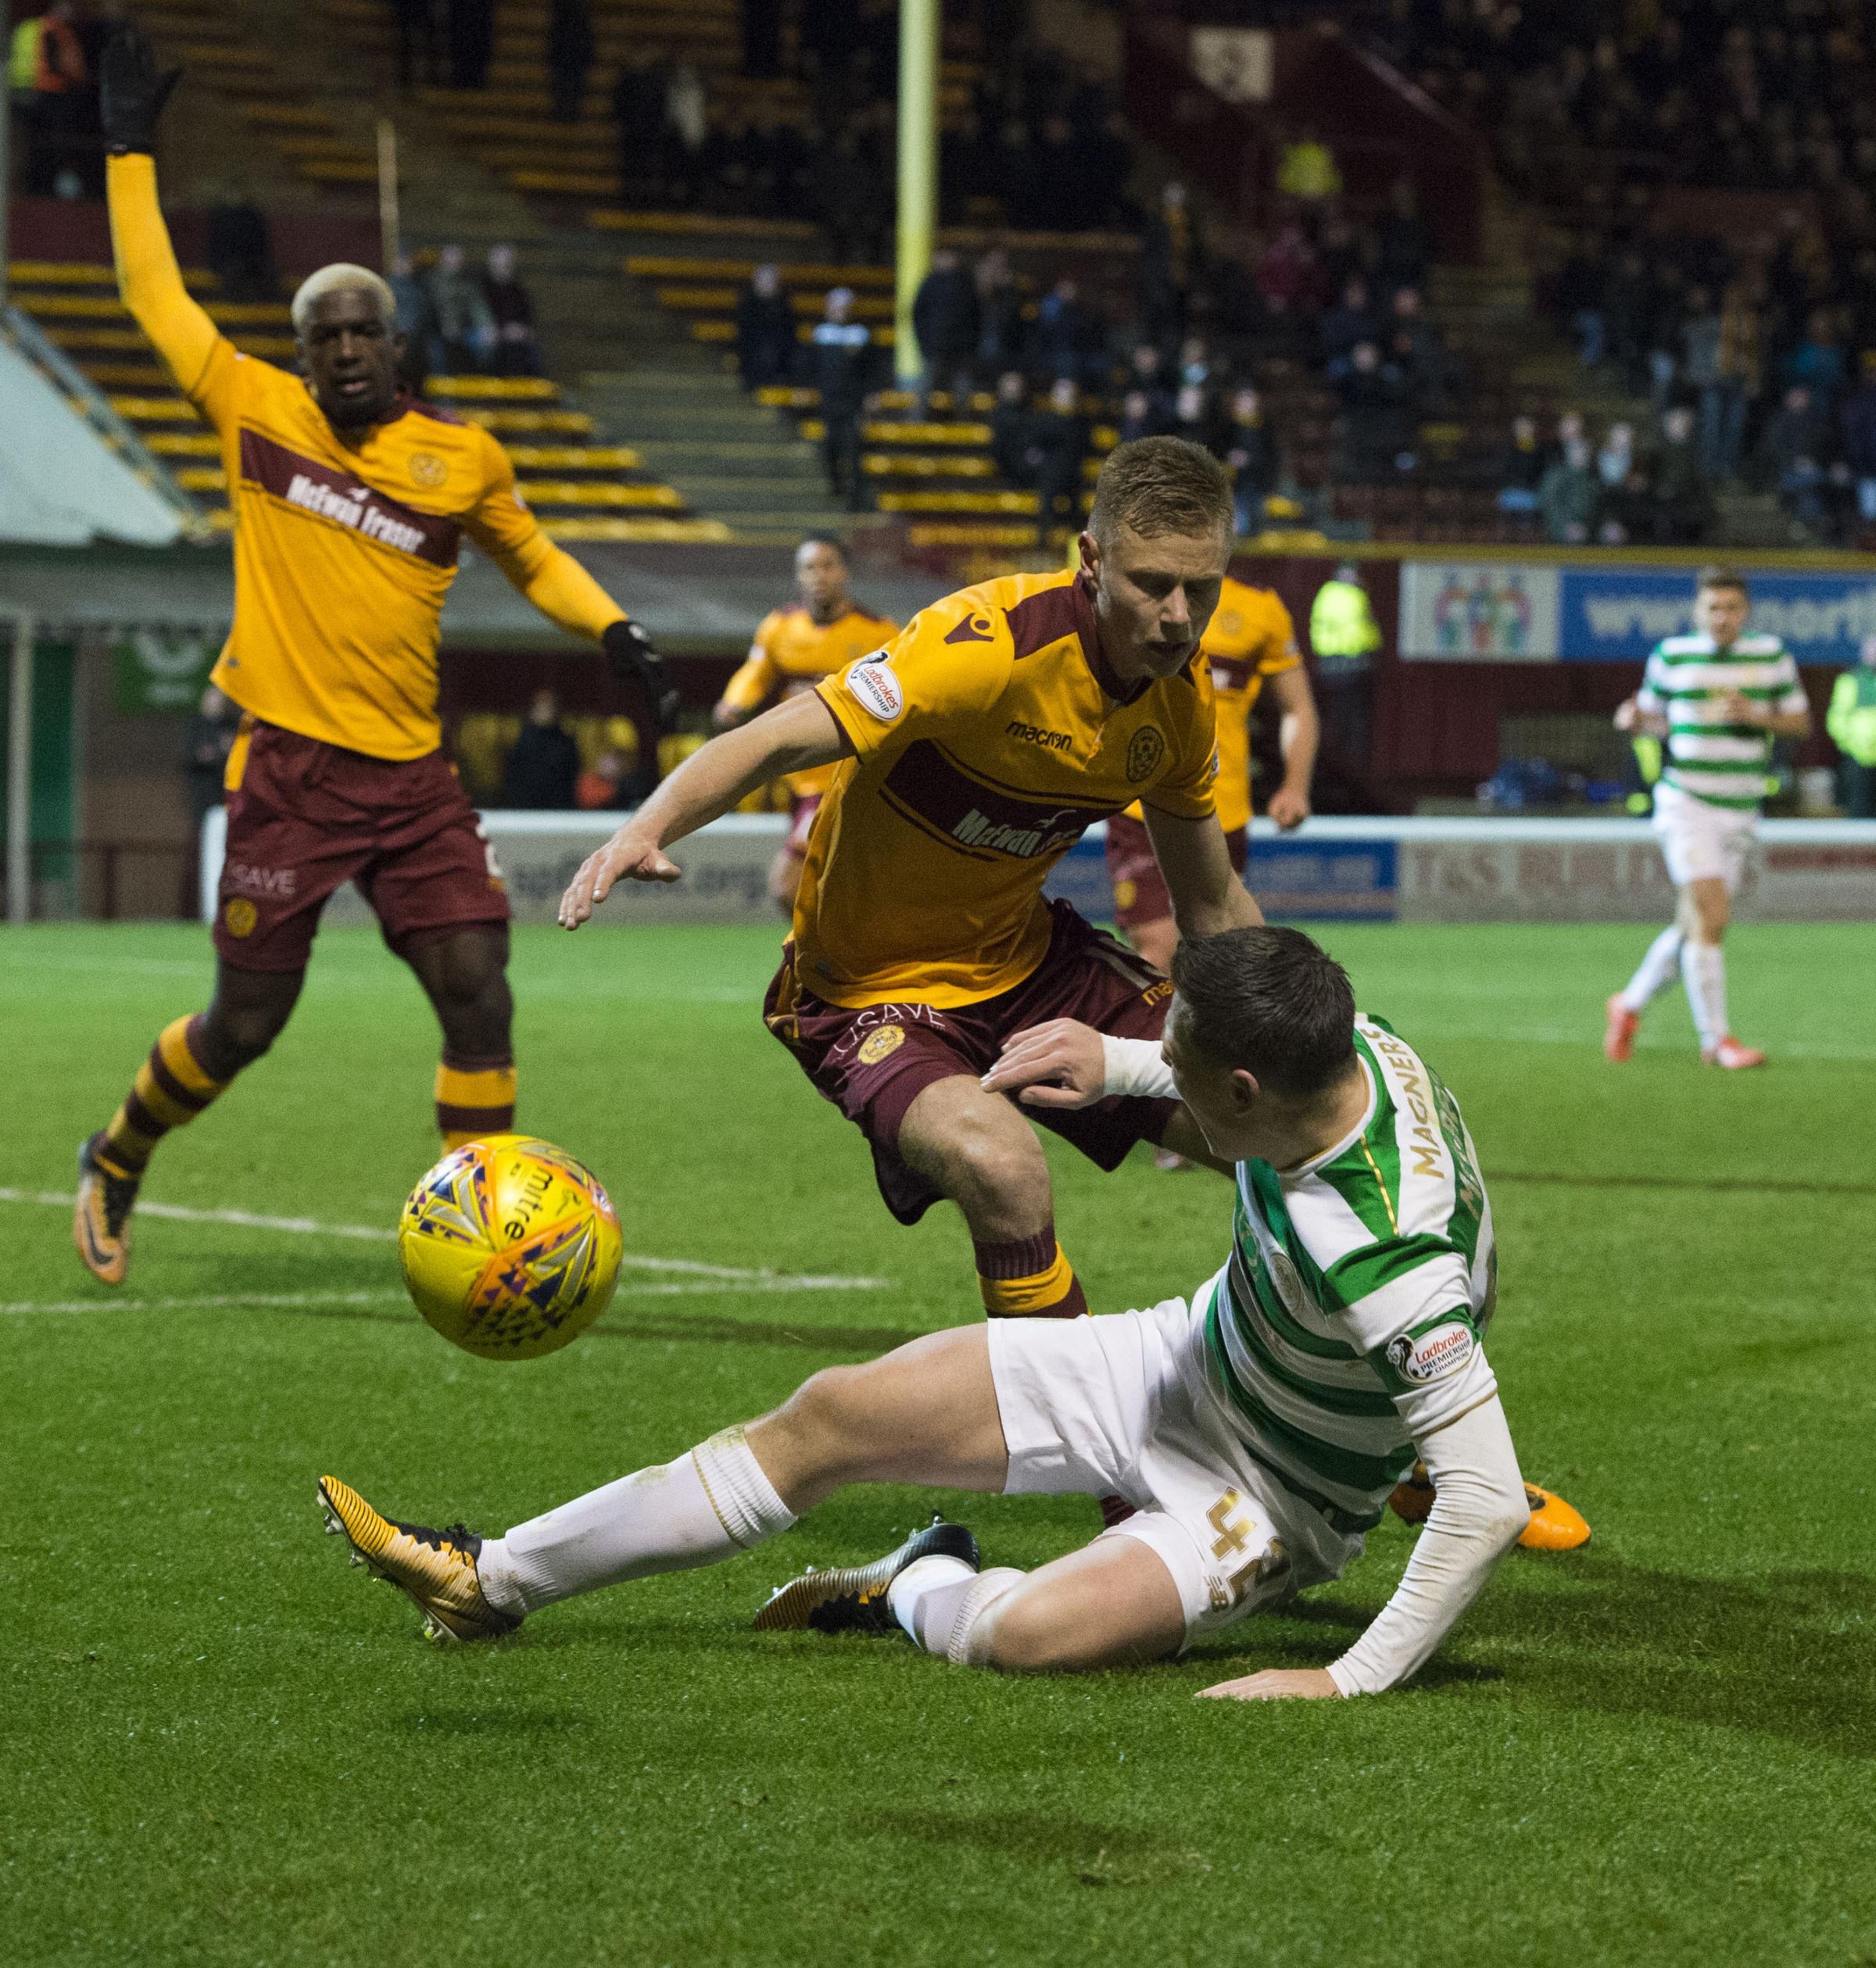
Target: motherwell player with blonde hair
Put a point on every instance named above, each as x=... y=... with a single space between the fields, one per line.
x=969 y=754
x=794 y=648
x=351 y=501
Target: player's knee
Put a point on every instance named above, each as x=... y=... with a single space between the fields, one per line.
x=1022 y=1633
x=234 y=1034
x=825 y=1417
x=990 y=1165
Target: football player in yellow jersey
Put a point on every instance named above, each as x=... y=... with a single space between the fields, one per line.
x=794 y=648
x=1251 y=641
x=350 y=501
x=969 y=754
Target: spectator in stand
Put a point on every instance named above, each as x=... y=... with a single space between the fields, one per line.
x=1741 y=366
x=517 y=347
x=1003 y=334
x=1286 y=270
x=686 y=131
x=420 y=44
x=1141 y=417
x=1683 y=499
x=415 y=322
x=1818 y=362
x=945 y=321
x=1306 y=171
x=1067 y=338
x=1625 y=512
x=1617 y=458
x=1520 y=467
x=543 y=762
x=59 y=81
x=1699 y=364
x=1011 y=426
x=1196 y=419
x=1418 y=349
x=1858 y=432
x=1171 y=263
x=765 y=330
x=1402 y=238
x=1250 y=451
x=852 y=210
x=570 y=52
x=1146 y=372
x=639 y=100
x=1795 y=451
x=1377 y=417
x=238 y=248
x=1628 y=314
x=613 y=782
x=1059 y=443
x=843 y=357
x=1351 y=319
x=1578 y=299
x=469 y=25
x=1567 y=495
x=462 y=337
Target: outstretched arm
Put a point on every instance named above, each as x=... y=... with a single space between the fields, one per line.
x=794 y=737
x=1478 y=1509
x=1298 y=735
x=1207 y=896
x=148 y=280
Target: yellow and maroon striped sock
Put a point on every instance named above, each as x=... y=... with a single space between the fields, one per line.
x=171 y=1088
x=1029 y=1278
x=475 y=1097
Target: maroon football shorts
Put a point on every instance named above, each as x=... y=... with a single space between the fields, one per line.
x=1139 y=889
x=305 y=815
x=874 y=1062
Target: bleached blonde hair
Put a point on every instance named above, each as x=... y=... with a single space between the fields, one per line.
x=336 y=278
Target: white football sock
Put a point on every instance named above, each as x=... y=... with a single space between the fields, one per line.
x=1656 y=970
x=924 y=1596
x=1704 y=972
x=703 y=1507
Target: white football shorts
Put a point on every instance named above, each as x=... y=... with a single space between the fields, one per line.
x=1121 y=1405
x=1702 y=842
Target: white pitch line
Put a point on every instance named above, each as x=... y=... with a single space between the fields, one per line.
x=725 y=1276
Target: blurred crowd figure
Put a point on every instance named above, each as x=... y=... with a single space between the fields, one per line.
x=52 y=82
x=455 y=322
x=443 y=43
x=544 y=771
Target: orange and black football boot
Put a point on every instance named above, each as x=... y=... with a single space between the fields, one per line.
x=101 y=1223
x=1555 y=1525
x=434 y=1569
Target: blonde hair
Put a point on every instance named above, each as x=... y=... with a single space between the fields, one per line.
x=338 y=278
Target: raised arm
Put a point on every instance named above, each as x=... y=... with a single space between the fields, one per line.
x=1207 y=896
x=794 y=737
x=148 y=280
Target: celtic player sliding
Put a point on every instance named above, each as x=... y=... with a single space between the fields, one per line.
x=1257 y=1428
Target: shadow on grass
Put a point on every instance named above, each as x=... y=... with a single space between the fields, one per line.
x=1096 y=1855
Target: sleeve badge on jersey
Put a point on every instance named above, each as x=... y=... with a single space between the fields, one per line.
x=872 y=681
x=1425 y=1356
x=1147 y=748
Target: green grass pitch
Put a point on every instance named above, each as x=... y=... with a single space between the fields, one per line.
x=217 y=1746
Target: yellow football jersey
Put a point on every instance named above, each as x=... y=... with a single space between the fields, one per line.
x=1250 y=637
x=791 y=653
x=987 y=734
x=343 y=552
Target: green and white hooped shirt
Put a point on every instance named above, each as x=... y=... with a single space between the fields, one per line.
x=1350 y=1317
x=1686 y=679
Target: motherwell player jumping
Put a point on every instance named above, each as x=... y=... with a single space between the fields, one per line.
x=970 y=753
x=350 y=502
x=1250 y=639
x=794 y=648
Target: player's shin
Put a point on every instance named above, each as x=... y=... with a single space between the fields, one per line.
x=475 y=1097
x=1028 y=1278
x=705 y=1506
x=946 y=1608
x=172 y=1087
x=1656 y=970
x=1704 y=972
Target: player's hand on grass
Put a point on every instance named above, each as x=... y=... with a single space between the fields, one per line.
x=1288 y=807
x=623 y=858
x=1062 y=1064
x=1274 y=1684
x=131 y=92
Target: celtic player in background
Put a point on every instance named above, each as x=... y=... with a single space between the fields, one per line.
x=1257 y=1428
x=1718 y=698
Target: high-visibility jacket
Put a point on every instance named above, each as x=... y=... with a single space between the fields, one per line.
x=1851 y=720
x=1342 y=628
x=23 y=57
